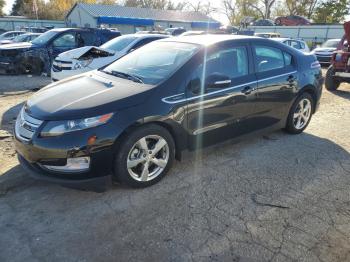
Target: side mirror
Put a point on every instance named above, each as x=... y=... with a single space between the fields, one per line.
x=195 y=86
x=217 y=80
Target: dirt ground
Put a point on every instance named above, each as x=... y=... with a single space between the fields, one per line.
x=273 y=197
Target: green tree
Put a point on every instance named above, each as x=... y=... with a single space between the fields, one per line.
x=331 y=11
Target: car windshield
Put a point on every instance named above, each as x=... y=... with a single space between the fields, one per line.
x=330 y=43
x=20 y=38
x=154 y=62
x=119 y=43
x=45 y=37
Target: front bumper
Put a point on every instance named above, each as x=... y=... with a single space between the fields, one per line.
x=97 y=184
x=323 y=59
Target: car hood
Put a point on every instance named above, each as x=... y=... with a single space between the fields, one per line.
x=85 y=51
x=324 y=49
x=23 y=45
x=86 y=95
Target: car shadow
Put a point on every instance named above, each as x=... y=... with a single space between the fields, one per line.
x=342 y=93
x=9 y=117
x=223 y=156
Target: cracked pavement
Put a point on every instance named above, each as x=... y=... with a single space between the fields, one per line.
x=271 y=197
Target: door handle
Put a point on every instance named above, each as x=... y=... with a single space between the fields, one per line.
x=247 y=90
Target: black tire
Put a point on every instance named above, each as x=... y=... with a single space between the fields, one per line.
x=31 y=66
x=121 y=172
x=331 y=83
x=290 y=126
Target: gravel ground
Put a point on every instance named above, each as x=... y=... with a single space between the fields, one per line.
x=273 y=197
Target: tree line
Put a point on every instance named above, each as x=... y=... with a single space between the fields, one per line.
x=320 y=11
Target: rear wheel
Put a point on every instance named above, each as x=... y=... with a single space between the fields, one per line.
x=300 y=114
x=144 y=156
x=331 y=83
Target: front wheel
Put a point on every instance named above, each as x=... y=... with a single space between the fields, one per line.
x=300 y=114
x=144 y=156
x=331 y=83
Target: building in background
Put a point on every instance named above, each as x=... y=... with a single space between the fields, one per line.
x=129 y=20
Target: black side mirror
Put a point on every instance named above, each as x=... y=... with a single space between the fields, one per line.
x=217 y=80
x=195 y=86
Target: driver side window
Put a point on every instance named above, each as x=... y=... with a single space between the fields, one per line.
x=66 y=40
x=228 y=63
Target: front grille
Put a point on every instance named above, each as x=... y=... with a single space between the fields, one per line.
x=26 y=126
x=59 y=65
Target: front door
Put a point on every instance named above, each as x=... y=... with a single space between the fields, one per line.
x=221 y=94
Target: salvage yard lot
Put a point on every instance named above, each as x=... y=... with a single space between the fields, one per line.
x=273 y=197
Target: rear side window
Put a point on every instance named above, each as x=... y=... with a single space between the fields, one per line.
x=268 y=58
x=87 y=38
x=295 y=44
x=287 y=59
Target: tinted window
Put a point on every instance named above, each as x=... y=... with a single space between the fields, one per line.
x=65 y=40
x=295 y=44
x=118 y=44
x=144 y=42
x=231 y=62
x=87 y=38
x=287 y=59
x=268 y=58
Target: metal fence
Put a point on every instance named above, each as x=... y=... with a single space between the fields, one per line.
x=9 y=23
x=309 y=33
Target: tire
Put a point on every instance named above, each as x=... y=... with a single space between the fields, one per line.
x=331 y=84
x=132 y=158
x=297 y=115
x=278 y=22
x=32 y=66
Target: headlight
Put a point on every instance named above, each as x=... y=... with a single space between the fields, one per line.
x=56 y=128
x=82 y=63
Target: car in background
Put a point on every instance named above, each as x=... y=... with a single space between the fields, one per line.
x=292 y=20
x=339 y=70
x=175 y=31
x=135 y=116
x=37 y=29
x=37 y=56
x=263 y=22
x=151 y=32
x=9 y=35
x=191 y=33
x=325 y=51
x=268 y=35
x=297 y=44
x=88 y=58
x=27 y=37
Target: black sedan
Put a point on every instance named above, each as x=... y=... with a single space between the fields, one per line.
x=130 y=119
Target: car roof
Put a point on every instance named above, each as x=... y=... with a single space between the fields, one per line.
x=148 y=35
x=209 y=39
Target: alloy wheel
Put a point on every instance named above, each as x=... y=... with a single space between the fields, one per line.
x=148 y=158
x=302 y=114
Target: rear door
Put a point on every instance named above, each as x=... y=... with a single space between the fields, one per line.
x=276 y=72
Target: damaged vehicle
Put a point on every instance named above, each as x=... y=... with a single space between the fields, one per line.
x=36 y=57
x=88 y=58
x=339 y=70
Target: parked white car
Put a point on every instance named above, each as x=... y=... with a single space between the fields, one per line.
x=325 y=51
x=297 y=44
x=87 y=58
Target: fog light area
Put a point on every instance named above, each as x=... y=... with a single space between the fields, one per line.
x=78 y=164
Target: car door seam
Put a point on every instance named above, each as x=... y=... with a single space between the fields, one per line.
x=166 y=99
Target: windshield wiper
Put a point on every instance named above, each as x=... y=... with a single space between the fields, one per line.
x=125 y=76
